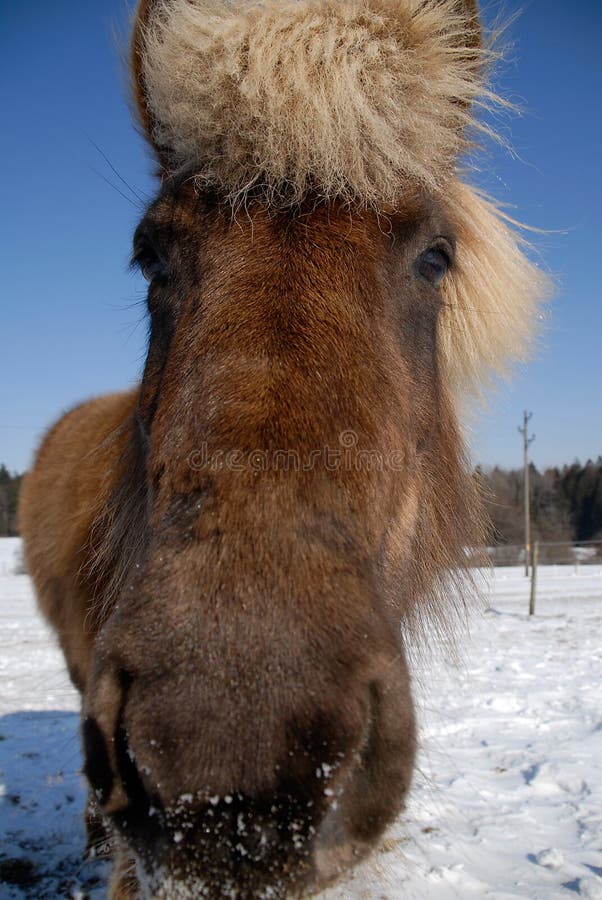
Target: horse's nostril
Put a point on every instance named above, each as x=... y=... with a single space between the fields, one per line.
x=110 y=761
x=125 y=760
x=97 y=766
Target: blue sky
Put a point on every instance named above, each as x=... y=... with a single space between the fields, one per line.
x=72 y=316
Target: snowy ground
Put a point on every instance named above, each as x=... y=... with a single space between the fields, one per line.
x=507 y=800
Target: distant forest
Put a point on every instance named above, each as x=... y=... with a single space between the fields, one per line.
x=566 y=503
x=9 y=498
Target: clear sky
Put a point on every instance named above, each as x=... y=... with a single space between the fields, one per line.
x=72 y=316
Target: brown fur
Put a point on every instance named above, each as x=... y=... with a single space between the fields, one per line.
x=313 y=567
x=227 y=598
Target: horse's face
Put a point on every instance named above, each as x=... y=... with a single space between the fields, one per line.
x=249 y=723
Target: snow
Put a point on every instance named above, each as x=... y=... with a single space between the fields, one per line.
x=507 y=799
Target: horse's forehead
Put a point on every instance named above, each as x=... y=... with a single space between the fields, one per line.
x=182 y=212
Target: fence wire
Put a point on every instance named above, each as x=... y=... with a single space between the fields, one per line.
x=561 y=553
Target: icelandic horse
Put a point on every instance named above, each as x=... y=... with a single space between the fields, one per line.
x=235 y=553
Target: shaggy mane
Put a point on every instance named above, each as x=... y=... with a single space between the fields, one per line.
x=346 y=99
x=492 y=294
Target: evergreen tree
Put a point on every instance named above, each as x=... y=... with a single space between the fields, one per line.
x=9 y=500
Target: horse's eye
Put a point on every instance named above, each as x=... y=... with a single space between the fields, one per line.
x=150 y=264
x=153 y=268
x=433 y=264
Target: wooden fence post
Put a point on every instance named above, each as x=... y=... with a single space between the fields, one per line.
x=534 y=557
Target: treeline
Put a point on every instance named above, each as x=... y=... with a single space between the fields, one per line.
x=9 y=498
x=566 y=504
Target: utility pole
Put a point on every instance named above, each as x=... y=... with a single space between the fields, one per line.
x=533 y=579
x=527 y=441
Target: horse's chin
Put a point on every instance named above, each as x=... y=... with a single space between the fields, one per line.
x=333 y=857
x=335 y=853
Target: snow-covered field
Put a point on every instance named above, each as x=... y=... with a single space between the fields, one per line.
x=507 y=800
